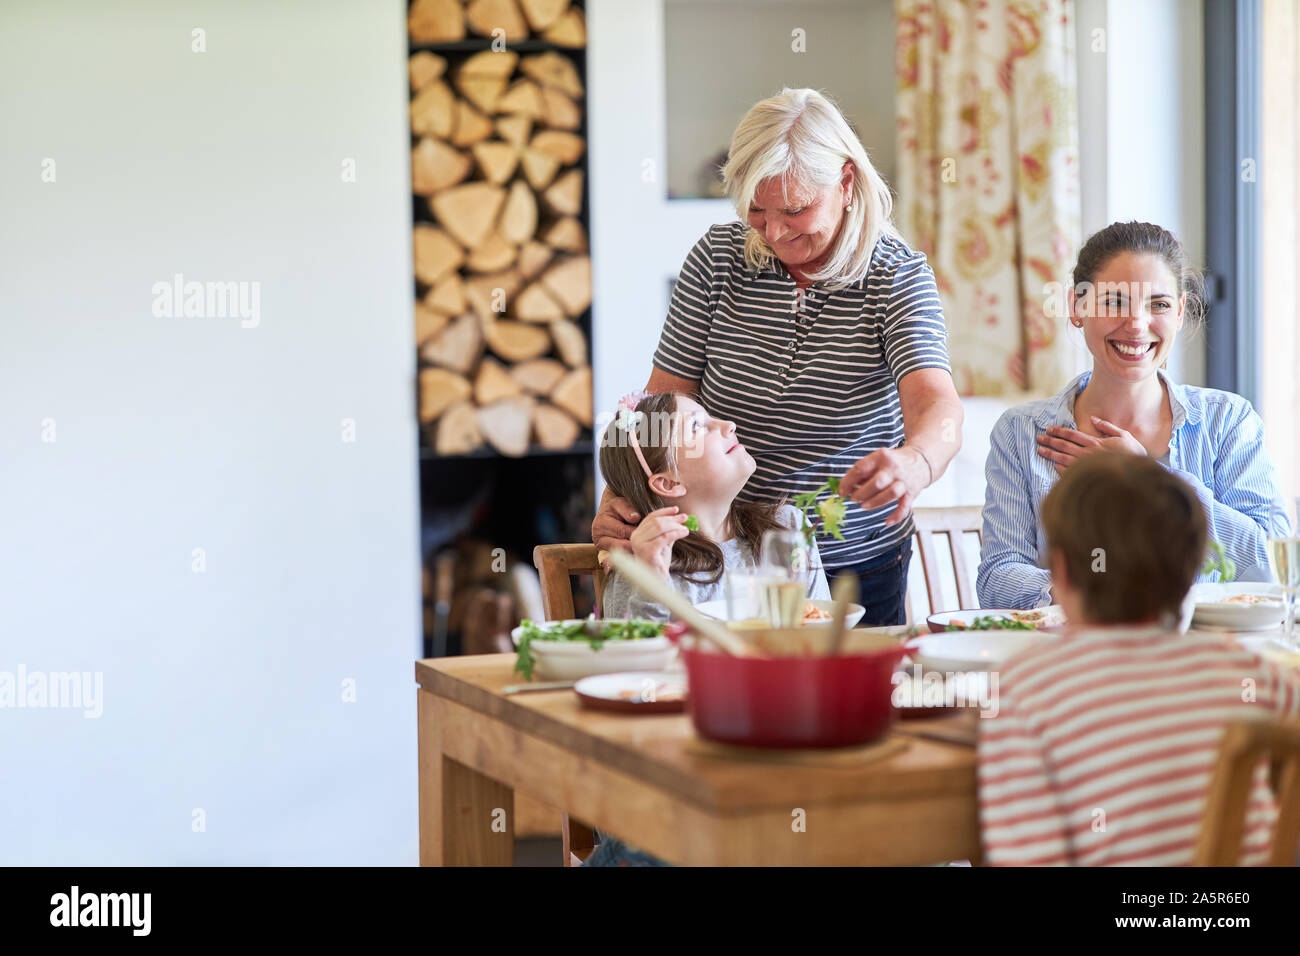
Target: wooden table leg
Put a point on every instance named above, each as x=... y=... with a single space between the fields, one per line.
x=466 y=818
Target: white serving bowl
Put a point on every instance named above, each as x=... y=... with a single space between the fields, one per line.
x=718 y=609
x=1211 y=610
x=573 y=660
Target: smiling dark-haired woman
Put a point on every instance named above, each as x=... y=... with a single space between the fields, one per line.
x=1133 y=292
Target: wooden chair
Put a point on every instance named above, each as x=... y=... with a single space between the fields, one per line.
x=955 y=523
x=1244 y=745
x=557 y=564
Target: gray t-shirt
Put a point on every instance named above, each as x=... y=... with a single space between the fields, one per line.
x=621 y=600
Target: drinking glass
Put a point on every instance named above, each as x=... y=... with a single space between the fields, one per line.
x=785 y=571
x=745 y=606
x=1284 y=556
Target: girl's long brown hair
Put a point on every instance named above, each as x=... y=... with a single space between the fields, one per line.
x=694 y=556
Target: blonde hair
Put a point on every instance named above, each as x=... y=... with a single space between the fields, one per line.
x=803 y=134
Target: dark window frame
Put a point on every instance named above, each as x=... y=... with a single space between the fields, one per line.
x=1233 y=244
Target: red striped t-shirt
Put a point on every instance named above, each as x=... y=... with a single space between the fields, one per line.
x=1104 y=743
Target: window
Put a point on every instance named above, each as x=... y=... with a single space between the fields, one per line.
x=1278 y=348
x=1252 y=90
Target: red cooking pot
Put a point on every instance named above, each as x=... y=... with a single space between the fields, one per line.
x=793 y=702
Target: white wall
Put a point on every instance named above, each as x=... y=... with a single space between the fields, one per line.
x=639 y=237
x=725 y=55
x=222 y=690
x=1142 y=128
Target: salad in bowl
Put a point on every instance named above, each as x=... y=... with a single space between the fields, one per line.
x=573 y=649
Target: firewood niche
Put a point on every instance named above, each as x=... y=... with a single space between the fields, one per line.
x=503 y=275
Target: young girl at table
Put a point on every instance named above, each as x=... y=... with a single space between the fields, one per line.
x=1105 y=738
x=667 y=456
x=1133 y=292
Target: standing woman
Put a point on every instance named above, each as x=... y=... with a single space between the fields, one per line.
x=813 y=327
x=1130 y=298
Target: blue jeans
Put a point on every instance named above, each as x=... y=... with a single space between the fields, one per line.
x=882 y=585
x=611 y=851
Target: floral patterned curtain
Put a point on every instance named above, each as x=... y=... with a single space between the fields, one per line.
x=988 y=179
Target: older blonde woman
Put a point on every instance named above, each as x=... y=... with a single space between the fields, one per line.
x=812 y=326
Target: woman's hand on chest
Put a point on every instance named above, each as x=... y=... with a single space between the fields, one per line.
x=1064 y=446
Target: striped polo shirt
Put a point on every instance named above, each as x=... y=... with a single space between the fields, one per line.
x=1104 y=743
x=810 y=380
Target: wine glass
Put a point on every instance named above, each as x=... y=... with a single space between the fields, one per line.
x=1284 y=556
x=784 y=571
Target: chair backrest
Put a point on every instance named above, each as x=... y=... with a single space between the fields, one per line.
x=556 y=565
x=1244 y=745
x=955 y=523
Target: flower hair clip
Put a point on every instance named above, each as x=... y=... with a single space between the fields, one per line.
x=631 y=400
x=628 y=419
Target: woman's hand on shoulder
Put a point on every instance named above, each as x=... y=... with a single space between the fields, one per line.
x=652 y=541
x=613 y=525
x=1064 y=446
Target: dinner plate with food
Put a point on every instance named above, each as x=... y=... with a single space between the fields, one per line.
x=1047 y=618
x=634 y=692
x=573 y=649
x=814 y=612
x=1238 y=606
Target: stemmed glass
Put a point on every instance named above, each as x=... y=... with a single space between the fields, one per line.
x=1284 y=556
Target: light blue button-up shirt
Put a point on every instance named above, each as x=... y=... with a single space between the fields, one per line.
x=1217 y=447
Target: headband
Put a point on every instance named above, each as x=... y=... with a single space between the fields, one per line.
x=629 y=419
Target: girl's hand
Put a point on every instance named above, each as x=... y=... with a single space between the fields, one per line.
x=885 y=476
x=613 y=526
x=1064 y=446
x=652 y=541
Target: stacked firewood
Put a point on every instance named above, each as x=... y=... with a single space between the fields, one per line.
x=503 y=272
x=448 y=21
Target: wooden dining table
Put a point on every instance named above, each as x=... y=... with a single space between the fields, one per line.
x=647 y=778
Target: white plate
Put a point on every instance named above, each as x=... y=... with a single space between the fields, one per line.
x=573 y=660
x=1054 y=616
x=1273 y=648
x=973 y=650
x=636 y=690
x=1212 y=611
x=718 y=609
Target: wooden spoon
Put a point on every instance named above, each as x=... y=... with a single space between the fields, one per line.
x=657 y=589
x=844 y=590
